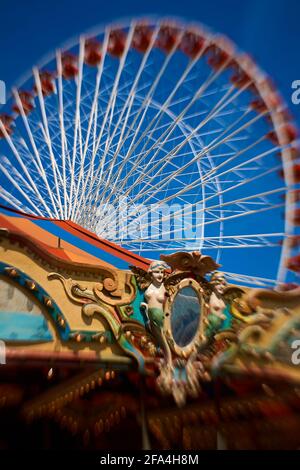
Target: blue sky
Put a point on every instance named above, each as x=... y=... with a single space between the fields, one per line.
x=268 y=29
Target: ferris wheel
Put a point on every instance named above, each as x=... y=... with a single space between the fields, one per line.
x=159 y=136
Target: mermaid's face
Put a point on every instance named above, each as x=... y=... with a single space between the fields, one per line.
x=220 y=285
x=158 y=274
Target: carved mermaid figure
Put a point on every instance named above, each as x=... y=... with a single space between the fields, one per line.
x=155 y=296
x=217 y=306
x=216 y=303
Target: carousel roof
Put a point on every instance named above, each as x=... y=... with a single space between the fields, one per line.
x=68 y=241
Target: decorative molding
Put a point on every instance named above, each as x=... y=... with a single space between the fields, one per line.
x=194 y=262
x=115 y=306
x=19 y=278
x=65 y=333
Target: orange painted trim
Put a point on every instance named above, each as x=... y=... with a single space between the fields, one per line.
x=89 y=237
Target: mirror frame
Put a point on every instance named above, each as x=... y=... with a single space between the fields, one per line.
x=199 y=337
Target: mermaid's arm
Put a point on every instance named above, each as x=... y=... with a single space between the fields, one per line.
x=145 y=308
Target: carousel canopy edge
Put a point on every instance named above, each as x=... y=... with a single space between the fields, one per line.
x=67 y=240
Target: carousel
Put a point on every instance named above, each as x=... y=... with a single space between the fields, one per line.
x=112 y=337
x=96 y=355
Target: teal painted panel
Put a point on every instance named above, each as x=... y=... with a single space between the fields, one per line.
x=136 y=305
x=24 y=326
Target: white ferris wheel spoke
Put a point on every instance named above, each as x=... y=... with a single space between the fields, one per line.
x=64 y=144
x=24 y=168
x=236 y=201
x=16 y=203
x=206 y=208
x=176 y=149
x=18 y=187
x=212 y=146
x=245 y=181
x=252 y=280
x=77 y=125
x=167 y=158
x=47 y=136
x=92 y=122
x=37 y=155
x=154 y=189
x=145 y=106
x=110 y=105
x=174 y=152
x=128 y=106
x=147 y=101
x=111 y=102
x=156 y=120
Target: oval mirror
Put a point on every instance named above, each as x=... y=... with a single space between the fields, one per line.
x=185 y=316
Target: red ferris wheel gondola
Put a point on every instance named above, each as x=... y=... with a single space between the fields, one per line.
x=294 y=263
x=92 y=52
x=167 y=37
x=26 y=101
x=6 y=120
x=116 y=42
x=141 y=37
x=47 y=82
x=69 y=65
x=192 y=43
